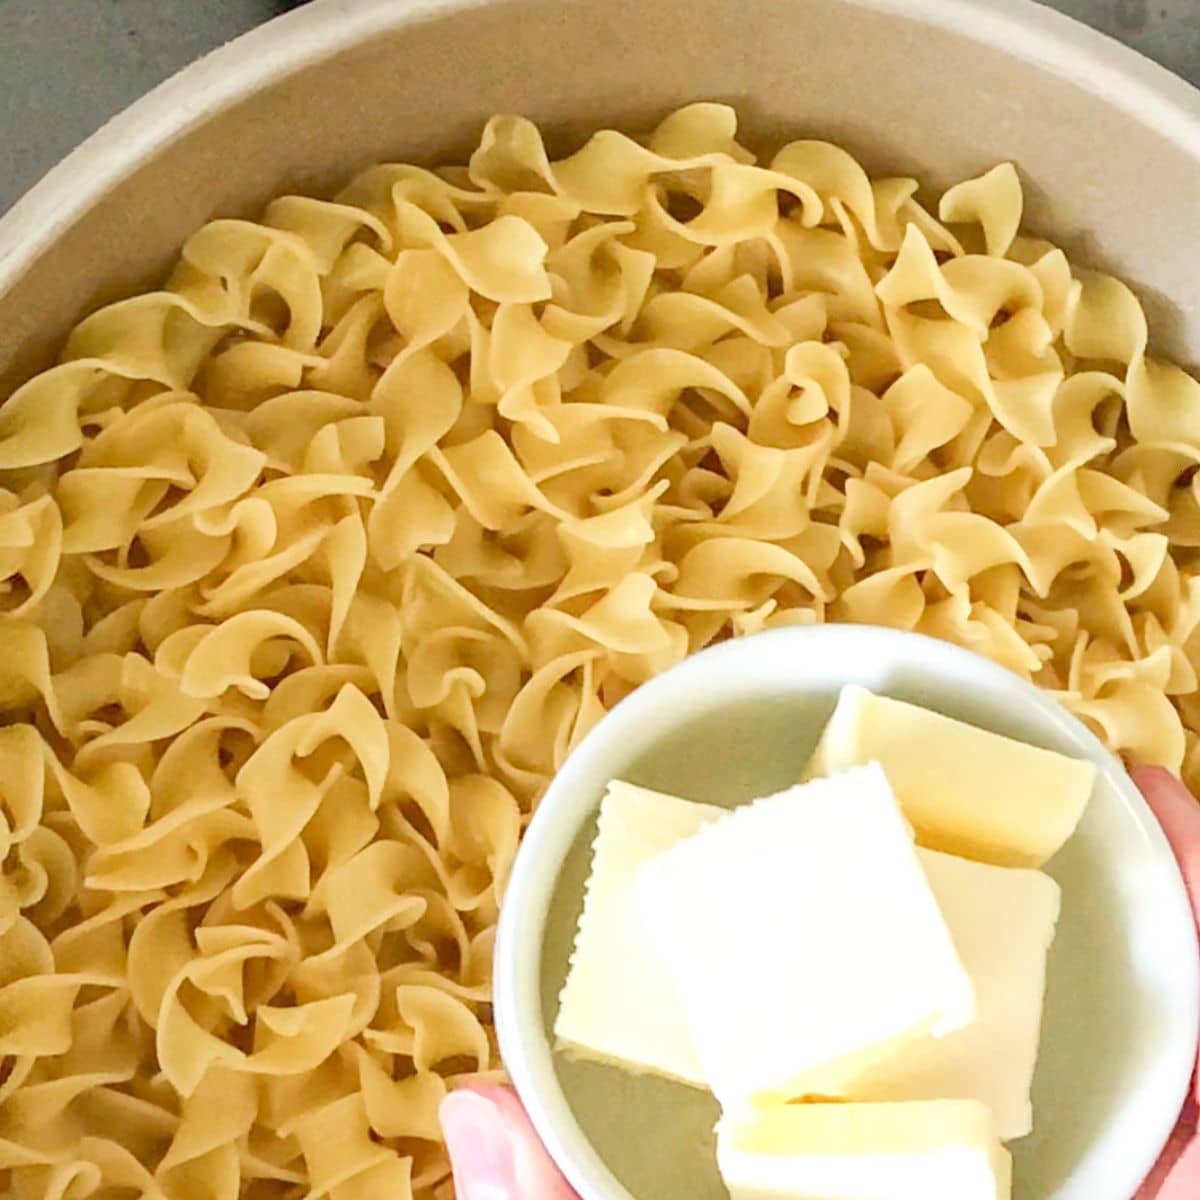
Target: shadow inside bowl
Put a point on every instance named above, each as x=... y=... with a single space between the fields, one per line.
x=656 y=1136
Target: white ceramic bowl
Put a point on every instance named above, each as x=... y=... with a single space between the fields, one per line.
x=739 y=721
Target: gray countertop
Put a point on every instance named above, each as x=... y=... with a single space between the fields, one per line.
x=71 y=64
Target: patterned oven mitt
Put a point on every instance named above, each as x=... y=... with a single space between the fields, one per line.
x=496 y=1155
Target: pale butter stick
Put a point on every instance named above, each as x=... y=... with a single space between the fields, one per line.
x=618 y=1004
x=920 y=1150
x=1002 y=920
x=967 y=791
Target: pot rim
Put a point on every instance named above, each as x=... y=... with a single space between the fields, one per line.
x=249 y=64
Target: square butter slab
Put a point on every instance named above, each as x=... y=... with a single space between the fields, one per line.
x=618 y=1004
x=966 y=790
x=921 y=1150
x=1002 y=920
x=804 y=940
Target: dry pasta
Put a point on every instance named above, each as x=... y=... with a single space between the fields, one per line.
x=317 y=562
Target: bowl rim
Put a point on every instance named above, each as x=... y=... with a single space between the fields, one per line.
x=284 y=45
x=527 y=1052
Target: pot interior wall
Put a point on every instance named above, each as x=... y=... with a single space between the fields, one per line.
x=902 y=95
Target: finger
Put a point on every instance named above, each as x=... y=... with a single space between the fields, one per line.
x=480 y=1155
x=1183 y=1183
x=495 y=1152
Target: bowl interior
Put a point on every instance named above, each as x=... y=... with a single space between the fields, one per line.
x=1122 y=986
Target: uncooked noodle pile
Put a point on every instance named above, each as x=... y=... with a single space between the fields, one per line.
x=319 y=561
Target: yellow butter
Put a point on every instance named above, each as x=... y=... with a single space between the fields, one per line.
x=618 y=1004
x=803 y=939
x=967 y=791
x=1002 y=920
x=920 y=1150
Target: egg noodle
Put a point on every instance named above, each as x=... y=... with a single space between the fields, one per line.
x=319 y=561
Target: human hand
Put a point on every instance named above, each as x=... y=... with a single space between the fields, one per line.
x=1176 y=1176
x=496 y=1155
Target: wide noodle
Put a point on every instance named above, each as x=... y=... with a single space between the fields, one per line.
x=318 y=561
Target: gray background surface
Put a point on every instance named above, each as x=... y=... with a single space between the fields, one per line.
x=68 y=65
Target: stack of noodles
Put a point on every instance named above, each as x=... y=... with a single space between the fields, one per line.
x=319 y=561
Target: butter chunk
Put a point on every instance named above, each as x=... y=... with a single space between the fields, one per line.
x=967 y=791
x=919 y=1150
x=1002 y=920
x=803 y=939
x=618 y=1004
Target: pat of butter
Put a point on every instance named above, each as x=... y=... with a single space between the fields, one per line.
x=803 y=939
x=618 y=1004
x=1002 y=920
x=919 y=1150
x=966 y=791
